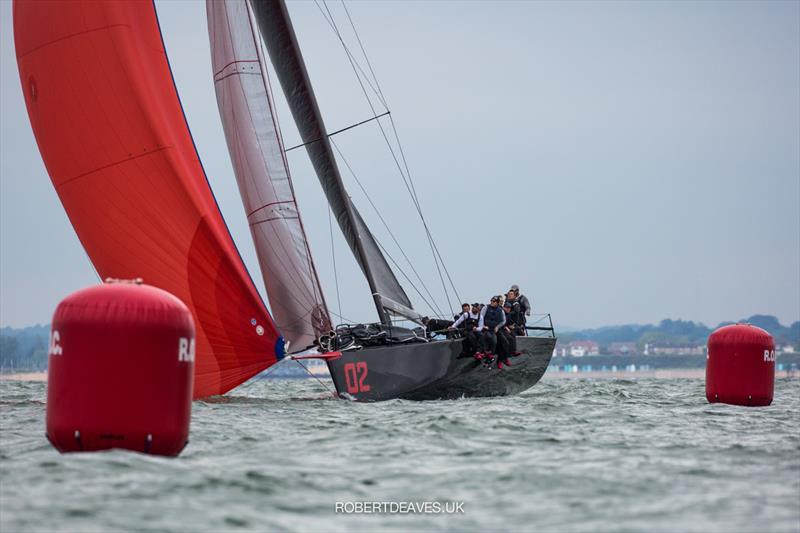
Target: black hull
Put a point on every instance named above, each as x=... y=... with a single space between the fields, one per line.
x=434 y=371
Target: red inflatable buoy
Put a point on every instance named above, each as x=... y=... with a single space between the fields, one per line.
x=120 y=370
x=740 y=368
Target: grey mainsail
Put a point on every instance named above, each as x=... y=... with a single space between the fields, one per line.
x=276 y=29
x=254 y=142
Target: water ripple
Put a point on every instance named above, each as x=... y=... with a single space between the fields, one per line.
x=567 y=455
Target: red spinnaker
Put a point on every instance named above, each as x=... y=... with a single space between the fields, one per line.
x=111 y=130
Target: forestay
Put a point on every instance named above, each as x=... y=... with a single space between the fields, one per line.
x=256 y=149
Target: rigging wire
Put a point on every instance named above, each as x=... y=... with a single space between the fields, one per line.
x=354 y=64
x=364 y=52
x=304 y=367
x=315 y=377
x=407 y=181
x=391 y=234
x=397 y=138
x=386 y=252
x=333 y=260
x=376 y=117
x=329 y=19
x=345 y=319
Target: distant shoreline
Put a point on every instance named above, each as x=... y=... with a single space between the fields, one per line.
x=24 y=376
x=663 y=373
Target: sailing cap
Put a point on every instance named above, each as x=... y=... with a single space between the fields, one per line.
x=514 y=287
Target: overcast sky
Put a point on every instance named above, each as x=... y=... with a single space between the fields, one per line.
x=622 y=162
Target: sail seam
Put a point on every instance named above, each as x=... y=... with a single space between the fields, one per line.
x=251 y=213
x=220 y=71
x=273 y=219
x=235 y=73
x=70 y=36
x=115 y=163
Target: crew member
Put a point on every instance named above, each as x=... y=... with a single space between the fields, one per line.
x=468 y=323
x=514 y=315
x=436 y=326
x=491 y=320
x=524 y=304
x=464 y=310
x=507 y=336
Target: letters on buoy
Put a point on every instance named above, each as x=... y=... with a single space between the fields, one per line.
x=740 y=367
x=114 y=380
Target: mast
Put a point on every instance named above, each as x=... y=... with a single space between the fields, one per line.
x=246 y=108
x=276 y=29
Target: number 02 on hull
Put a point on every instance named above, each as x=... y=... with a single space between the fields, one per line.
x=435 y=371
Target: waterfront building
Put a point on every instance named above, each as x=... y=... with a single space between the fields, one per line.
x=582 y=348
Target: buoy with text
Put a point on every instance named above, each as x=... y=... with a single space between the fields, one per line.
x=740 y=366
x=120 y=370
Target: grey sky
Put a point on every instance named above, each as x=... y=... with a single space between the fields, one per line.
x=622 y=162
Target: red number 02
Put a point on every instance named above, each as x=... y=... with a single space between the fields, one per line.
x=354 y=376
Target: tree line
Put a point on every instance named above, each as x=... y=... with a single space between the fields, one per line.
x=680 y=333
x=26 y=349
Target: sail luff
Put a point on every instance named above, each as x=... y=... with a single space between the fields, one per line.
x=276 y=29
x=262 y=174
x=268 y=86
x=278 y=34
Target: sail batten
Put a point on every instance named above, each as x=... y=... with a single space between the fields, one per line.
x=276 y=29
x=262 y=174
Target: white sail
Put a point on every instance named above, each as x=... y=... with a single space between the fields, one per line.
x=256 y=149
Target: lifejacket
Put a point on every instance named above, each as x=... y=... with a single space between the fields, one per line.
x=471 y=323
x=515 y=316
x=493 y=317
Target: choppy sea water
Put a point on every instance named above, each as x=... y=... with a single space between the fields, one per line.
x=567 y=455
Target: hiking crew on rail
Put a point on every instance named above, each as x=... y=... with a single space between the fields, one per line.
x=467 y=323
x=492 y=329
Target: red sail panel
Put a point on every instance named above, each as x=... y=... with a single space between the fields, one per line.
x=111 y=130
